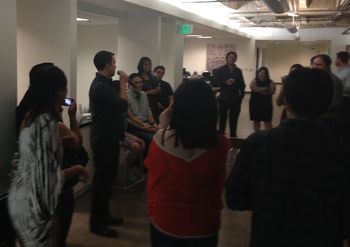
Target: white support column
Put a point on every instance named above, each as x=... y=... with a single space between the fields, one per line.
x=8 y=53
x=172 y=50
x=138 y=36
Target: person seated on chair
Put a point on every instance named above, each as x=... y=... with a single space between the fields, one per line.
x=134 y=159
x=140 y=120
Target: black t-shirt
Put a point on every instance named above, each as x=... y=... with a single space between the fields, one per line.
x=166 y=91
x=295 y=179
x=107 y=111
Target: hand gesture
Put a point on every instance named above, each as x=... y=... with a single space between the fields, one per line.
x=123 y=78
x=72 y=110
x=230 y=81
x=84 y=174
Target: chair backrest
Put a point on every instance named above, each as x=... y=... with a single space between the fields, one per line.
x=236 y=144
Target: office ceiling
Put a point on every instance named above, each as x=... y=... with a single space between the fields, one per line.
x=294 y=17
x=299 y=13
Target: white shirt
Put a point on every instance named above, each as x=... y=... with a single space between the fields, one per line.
x=344 y=75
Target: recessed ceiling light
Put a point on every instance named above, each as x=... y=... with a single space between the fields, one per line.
x=205 y=37
x=82 y=19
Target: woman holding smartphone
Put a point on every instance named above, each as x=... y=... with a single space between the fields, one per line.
x=186 y=171
x=38 y=178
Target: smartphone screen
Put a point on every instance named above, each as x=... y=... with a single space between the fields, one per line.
x=68 y=101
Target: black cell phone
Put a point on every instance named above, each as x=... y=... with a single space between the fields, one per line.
x=68 y=101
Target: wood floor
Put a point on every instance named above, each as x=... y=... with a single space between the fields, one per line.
x=131 y=204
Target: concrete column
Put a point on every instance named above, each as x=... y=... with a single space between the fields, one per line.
x=46 y=33
x=172 y=52
x=8 y=53
x=138 y=36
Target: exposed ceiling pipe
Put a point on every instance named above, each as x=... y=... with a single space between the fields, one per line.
x=300 y=12
x=277 y=6
x=342 y=5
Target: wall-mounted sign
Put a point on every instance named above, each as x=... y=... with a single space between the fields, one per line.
x=184 y=29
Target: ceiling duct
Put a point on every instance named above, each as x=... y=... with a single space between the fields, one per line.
x=277 y=6
x=292 y=28
x=234 y=4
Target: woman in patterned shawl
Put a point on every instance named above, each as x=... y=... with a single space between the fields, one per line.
x=38 y=178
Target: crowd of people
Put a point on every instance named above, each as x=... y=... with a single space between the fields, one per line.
x=295 y=178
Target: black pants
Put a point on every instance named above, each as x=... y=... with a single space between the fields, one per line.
x=159 y=239
x=234 y=108
x=346 y=120
x=106 y=157
x=64 y=211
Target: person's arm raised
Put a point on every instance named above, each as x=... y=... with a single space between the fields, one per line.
x=124 y=79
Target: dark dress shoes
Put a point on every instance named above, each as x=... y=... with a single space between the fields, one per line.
x=104 y=231
x=115 y=220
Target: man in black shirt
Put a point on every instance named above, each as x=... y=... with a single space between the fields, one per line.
x=108 y=106
x=166 y=92
x=295 y=178
x=231 y=82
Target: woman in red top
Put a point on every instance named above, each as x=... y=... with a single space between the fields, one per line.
x=186 y=171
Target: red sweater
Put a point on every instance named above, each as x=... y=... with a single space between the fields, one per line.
x=185 y=196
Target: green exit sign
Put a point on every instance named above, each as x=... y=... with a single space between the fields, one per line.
x=185 y=29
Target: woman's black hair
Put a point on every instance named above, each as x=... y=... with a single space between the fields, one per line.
x=140 y=65
x=24 y=105
x=45 y=83
x=194 y=115
x=266 y=71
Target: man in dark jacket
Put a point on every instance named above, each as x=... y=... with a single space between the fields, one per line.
x=295 y=178
x=108 y=107
x=231 y=82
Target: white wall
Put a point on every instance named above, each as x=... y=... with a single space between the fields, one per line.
x=138 y=36
x=246 y=50
x=46 y=34
x=279 y=56
x=195 y=54
x=8 y=82
x=91 y=39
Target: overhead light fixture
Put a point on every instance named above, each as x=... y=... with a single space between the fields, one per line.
x=193 y=35
x=198 y=1
x=82 y=19
x=205 y=37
